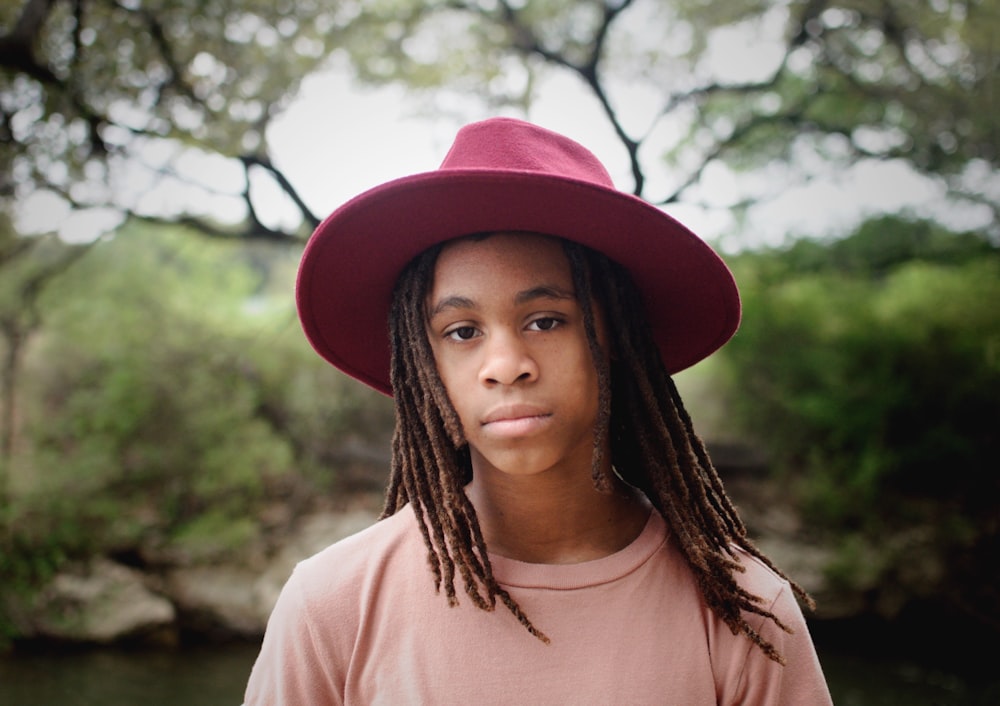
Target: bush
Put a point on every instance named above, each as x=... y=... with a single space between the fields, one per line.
x=870 y=369
x=168 y=397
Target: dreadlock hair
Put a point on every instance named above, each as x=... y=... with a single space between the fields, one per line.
x=652 y=440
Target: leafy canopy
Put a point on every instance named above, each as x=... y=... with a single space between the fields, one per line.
x=89 y=88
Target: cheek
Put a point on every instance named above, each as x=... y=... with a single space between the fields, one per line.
x=447 y=373
x=588 y=384
x=590 y=395
x=454 y=380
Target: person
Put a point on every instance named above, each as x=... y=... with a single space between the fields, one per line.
x=527 y=317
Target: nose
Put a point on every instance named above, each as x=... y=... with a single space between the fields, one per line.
x=506 y=361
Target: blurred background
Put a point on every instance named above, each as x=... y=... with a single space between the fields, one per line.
x=170 y=445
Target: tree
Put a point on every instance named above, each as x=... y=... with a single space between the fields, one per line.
x=89 y=84
x=29 y=265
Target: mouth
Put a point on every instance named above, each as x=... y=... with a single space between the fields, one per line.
x=510 y=413
x=515 y=420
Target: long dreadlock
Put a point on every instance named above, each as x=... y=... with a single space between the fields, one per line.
x=653 y=448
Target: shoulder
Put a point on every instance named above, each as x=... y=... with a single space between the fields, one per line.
x=743 y=672
x=311 y=634
x=349 y=564
x=773 y=594
x=759 y=579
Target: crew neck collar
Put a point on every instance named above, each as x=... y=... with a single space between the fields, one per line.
x=521 y=574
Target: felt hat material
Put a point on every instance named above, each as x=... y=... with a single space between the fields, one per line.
x=504 y=174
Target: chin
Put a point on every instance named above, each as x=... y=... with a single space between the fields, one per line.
x=518 y=464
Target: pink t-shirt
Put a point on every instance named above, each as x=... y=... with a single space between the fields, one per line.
x=360 y=623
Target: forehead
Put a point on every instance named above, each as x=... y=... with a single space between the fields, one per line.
x=501 y=260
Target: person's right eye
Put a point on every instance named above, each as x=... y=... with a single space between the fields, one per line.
x=461 y=333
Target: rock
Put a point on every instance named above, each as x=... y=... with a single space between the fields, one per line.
x=234 y=600
x=776 y=527
x=101 y=602
x=807 y=565
x=222 y=600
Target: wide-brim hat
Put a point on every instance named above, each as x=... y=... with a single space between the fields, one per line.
x=504 y=174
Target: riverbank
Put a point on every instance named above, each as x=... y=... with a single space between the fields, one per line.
x=150 y=599
x=111 y=600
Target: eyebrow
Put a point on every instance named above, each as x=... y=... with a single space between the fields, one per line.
x=452 y=302
x=544 y=291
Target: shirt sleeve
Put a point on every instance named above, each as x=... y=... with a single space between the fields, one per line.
x=293 y=667
x=800 y=681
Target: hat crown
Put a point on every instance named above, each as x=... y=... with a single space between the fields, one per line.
x=511 y=145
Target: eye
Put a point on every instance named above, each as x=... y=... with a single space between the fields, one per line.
x=461 y=333
x=545 y=323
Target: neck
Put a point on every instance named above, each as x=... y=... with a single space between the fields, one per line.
x=544 y=519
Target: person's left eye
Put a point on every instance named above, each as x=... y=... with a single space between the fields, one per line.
x=545 y=323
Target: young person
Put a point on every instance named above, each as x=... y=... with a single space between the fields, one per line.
x=554 y=531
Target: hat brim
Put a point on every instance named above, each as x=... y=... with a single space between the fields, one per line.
x=351 y=263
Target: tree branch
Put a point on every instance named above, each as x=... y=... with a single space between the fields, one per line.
x=265 y=163
x=248 y=231
x=175 y=76
x=734 y=137
x=17 y=48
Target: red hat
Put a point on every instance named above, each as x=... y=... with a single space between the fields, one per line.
x=505 y=175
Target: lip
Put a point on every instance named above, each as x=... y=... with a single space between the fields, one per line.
x=509 y=413
x=515 y=420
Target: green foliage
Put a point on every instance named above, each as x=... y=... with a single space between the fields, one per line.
x=877 y=247
x=910 y=80
x=206 y=73
x=870 y=368
x=167 y=399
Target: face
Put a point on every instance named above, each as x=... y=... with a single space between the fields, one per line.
x=510 y=346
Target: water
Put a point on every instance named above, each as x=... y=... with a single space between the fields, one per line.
x=216 y=675
x=861 y=681
x=193 y=676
